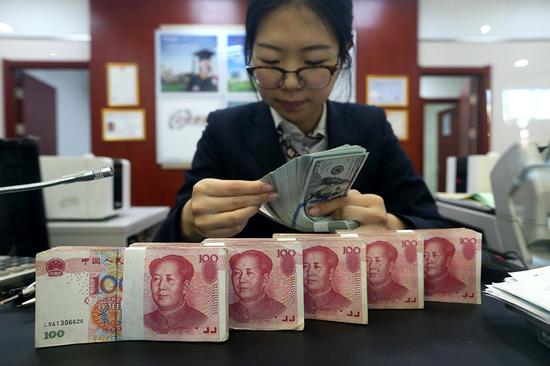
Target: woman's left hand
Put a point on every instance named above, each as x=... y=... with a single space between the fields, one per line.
x=367 y=209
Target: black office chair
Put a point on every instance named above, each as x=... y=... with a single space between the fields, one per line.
x=23 y=230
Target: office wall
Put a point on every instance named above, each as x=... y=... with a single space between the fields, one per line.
x=123 y=31
x=501 y=58
x=72 y=109
x=20 y=49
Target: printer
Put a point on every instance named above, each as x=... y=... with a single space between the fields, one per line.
x=97 y=200
x=521 y=187
x=520 y=220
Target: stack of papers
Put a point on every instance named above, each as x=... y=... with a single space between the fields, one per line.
x=310 y=179
x=526 y=291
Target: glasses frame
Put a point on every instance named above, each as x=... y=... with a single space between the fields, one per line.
x=331 y=68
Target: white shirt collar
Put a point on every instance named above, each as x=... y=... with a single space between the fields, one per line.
x=321 y=127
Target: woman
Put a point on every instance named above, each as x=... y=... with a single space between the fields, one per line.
x=295 y=50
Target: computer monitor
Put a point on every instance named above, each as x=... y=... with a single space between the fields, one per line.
x=23 y=230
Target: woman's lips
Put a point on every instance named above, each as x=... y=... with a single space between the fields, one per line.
x=291 y=105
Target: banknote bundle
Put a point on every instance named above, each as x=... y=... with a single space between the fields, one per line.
x=328 y=175
x=394 y=265
x=267 y=291
x=335 y=279
x=451 y=265
x=197 y=292
x=395 y=275
x=169 y=294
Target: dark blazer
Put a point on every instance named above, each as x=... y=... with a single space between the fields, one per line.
x=242 y=143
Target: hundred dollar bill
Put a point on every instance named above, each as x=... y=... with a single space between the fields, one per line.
x=395 y=261
x=452 y=265
x=266 y=284
x=335 y=278
x=315 y=178
x=80 y=297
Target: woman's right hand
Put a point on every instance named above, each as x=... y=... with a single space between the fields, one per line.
x=221 y=208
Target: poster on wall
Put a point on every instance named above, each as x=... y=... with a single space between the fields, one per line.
x=188 y=63
x=123 y=124
x=238 y=80
x=199 y=69
x=122 y=84
x=180 y=126
x=388 y=90
x=399 y=120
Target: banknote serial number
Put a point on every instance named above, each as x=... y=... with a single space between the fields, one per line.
x=57 y=323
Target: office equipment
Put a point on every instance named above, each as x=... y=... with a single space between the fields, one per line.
x=15 y=270
x=20 y=294
x=135 y=224
x=22 y=217
x=520 y=221
x=469 y=174
x=521 y=187
x=83 y=176
x=97 y=201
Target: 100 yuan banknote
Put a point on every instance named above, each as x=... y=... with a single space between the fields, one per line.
x=175 y=293
x=452 y=265
x=266 y=284
x=335 y=279
x=395 y=261
x=78 y=296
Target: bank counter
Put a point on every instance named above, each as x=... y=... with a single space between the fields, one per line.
x=441 y=334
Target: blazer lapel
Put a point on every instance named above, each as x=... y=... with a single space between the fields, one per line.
x=339 y=130
x=263 y=140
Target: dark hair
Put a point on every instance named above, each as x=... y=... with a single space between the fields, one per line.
x=337 y=15
x=330 y=257
x=264 y=262
x=446 y=245
x=390 y=250
x=185 y=268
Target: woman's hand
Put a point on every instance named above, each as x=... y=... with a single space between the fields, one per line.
x=367 y=209
x=221 y=208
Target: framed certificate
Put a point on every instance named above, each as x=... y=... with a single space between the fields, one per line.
x=123 y=124
x=399 y=121
x=122 y=84
x=388 y=91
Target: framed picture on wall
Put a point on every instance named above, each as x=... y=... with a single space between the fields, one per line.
x=122 y=84
x=399 y=121
x=123 y=124
x=388 y=90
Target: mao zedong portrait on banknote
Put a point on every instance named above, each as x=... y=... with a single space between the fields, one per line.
x=170 y=278
x=320 y=265
x=381 y=257
x=250 y=271
x=438 y=253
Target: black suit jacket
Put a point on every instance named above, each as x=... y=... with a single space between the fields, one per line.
x=242 y=143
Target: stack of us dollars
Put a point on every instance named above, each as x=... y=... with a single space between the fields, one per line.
x=310 y=179
x=169 y=294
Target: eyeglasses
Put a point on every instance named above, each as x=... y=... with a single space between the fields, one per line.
x=309 y=77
